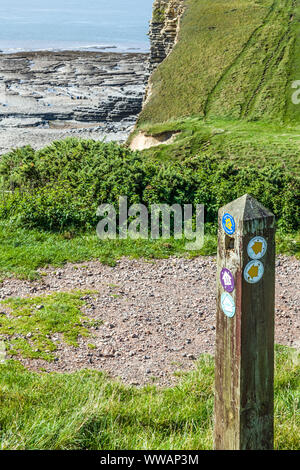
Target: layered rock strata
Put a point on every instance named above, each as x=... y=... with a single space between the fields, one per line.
x=164 y=29
x=46 y=96
x=163 y=33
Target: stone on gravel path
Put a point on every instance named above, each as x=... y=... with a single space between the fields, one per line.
x=158 y=316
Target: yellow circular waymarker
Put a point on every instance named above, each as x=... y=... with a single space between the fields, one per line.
x=254 y=271
x=257 y=248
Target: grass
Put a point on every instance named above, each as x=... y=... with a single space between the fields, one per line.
x=226 y=88
x=87 y=410
x=242 y=143
x=225 y=92
x=29 y=324
x=25 y=252
x=231 y=61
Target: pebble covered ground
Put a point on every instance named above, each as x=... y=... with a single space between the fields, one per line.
x=158 y=316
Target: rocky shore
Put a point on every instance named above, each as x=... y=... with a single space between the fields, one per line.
x=45 y=96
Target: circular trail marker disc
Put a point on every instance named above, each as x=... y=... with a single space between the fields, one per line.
x=228 y=304
x=227 y=280
x=228 y=224
x=257 y=248
x=254 y=271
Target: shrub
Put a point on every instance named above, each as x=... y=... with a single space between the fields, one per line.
x=62 y=185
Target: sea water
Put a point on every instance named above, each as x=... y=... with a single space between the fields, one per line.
x=92 y=25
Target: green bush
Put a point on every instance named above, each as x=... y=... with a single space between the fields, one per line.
x=52 y=207
x=62 y=185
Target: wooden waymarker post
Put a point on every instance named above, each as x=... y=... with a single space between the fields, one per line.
x=244 y=380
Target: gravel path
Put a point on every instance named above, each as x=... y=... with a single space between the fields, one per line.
x=158 y=316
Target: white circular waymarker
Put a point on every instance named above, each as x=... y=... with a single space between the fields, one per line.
x=228 y=304
x=254 y=271
x=257 y=248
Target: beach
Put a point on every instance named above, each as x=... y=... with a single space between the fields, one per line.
x=47 y=96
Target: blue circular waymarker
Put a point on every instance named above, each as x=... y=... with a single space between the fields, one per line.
x=228 y=224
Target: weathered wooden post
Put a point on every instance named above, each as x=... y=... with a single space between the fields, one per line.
x=244 y=380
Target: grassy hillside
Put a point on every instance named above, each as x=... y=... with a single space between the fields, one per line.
x=242 y=143
x=225 y=92
x=234 y=60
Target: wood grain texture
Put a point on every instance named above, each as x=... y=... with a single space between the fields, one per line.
x=244 y=378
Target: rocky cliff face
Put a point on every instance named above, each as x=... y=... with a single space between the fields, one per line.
x=164 y=29
x=163 y=33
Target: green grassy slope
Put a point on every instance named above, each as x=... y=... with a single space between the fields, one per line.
x=234 y=60
x=227 y=91
x=243 y=143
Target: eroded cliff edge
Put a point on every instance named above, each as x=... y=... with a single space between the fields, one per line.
x=163 y=34
x=164 y=28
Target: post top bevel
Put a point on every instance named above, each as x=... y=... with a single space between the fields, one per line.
x=247 y=208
